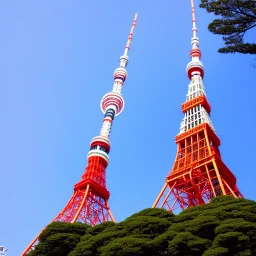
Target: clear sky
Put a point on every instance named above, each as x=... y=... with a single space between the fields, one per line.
x=57 y=61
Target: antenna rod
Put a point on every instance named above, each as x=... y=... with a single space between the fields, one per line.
x=195 y=41
x=127 y=47
x=195 y=66
x=194 y=29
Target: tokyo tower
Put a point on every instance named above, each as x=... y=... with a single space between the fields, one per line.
x=89 y=202
x=198 y=173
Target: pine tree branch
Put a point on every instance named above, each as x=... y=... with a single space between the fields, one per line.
x=241 y=48
x=237 y=17
x=246 y=14
x=250 y=27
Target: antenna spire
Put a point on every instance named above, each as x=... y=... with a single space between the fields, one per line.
x=195 y=41
x=127 y=47
x=195 y=66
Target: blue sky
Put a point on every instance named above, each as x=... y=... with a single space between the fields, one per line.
x=57 y=61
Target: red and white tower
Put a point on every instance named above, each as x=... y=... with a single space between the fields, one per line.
x=198 y=173
x=89 y=202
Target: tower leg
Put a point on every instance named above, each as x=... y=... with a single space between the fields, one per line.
x=84 y=206
x=219 y=178
x=82 y=203
x=31 y=245
x=160 y=195
x=110 y=213
x=194 y=187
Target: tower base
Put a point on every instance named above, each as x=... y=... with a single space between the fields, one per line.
x=88 y=204
x=197 y=185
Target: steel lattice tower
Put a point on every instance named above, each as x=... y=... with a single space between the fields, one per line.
x=198 y=173
x=89 y=202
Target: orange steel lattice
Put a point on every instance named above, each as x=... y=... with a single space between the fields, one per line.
x=198 y=173
x=195 y=102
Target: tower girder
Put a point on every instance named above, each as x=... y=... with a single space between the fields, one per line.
x=198 y=173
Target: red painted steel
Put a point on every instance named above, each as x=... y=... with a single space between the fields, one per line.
x=198 y=173
x=89 y=202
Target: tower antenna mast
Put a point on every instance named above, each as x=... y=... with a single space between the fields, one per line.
x=198 y=173
x=89 y=202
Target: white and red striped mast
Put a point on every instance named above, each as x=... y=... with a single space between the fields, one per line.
x=198 y=173
x=89 y=202
x=195 y=71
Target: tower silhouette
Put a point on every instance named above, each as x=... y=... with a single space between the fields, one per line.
x=198 y=173
x=89 y=202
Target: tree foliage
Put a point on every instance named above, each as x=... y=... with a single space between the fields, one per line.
x=236 y=18
x=226 y=226
x=59 y=239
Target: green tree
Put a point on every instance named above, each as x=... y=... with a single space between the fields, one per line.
x=128 y=245
x=236 y=18
x=225 y=226
x=209 y=229
x=135 y=235
x=59 y=239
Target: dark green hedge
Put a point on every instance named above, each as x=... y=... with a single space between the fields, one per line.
x=224 y=227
